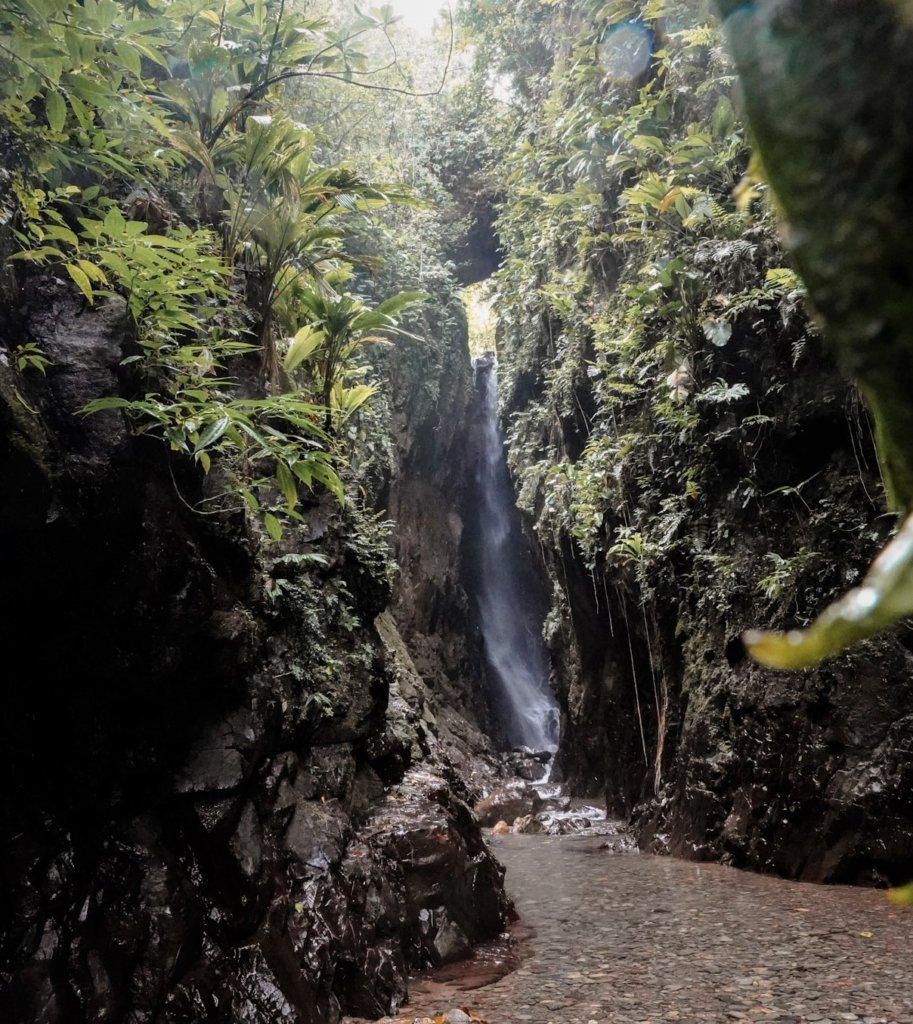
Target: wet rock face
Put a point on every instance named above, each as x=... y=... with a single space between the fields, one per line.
x=711 y=757
x=428 y=499
x=452 y=883
x=530 y=765
x=806 y=775
x=199 y=758
x=525 y=808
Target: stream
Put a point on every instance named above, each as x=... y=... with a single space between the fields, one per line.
x=637 y=939
x=607 y=935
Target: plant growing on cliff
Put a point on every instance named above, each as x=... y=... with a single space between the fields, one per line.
x=789 y=80
x=189 y=104
x=31 y=356
x=652 y=337
x=784 y=572
x=337 y=327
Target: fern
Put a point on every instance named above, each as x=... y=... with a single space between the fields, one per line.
x=721 y=393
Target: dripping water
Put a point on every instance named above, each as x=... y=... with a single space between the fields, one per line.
x=511 y=630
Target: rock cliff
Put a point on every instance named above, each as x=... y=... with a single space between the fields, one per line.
x=712 y=756
x=231 y=794
x=689 y=460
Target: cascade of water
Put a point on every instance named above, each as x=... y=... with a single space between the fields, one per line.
x=513 y=642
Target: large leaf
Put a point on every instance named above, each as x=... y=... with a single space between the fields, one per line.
x=349 y=400
x=398 y=303
x=304 y=344
x=329 y=478
x=213 y=432
x=192 y=145
x=287 y=485
x=56 y=109
x=82 y=281
x=273 y=526
x=886 y=595
x=103 y=404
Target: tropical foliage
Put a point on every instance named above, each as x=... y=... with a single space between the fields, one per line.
x=653 y=335
x=185 y=161
x=854 y=120
x=155 y=158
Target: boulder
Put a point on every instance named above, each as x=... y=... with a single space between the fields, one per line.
x=529 y=824
x=451 y=885
x=511 y=801
x=531 y=765
x=457 y=1017
x=532 y=771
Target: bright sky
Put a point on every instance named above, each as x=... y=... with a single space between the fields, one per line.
x=417 y=14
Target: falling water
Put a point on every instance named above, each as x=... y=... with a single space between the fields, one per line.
x=507 y=610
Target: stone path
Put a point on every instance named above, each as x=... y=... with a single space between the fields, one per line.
x=631 y=939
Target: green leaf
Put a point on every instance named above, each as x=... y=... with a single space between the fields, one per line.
x=649 y=144
x=101 y=404
x=303 y=345
x=55 y=108
x=330 y=479
x=350 y=400
x=885 y=596
x=115 y=223
x=82 y=280
x=250 y=500
x=273 y=526
x=191 y=145
x=397 y=303
x=84 y=117
x=152 y=53
x=130 y=58
x=213 y=432
x=783 y=277
x=302 y=469
x=286 y=482
x=92 y=272
x=58 y=233
x=36 y=255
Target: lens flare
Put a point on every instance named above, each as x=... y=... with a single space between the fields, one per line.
x=625 y=51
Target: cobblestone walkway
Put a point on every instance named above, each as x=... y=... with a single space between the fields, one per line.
x=631 y=939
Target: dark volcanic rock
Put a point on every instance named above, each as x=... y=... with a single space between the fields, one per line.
x=749 y=517
x=710 y=756
x=428 y=499
x=807 y=775
x=196 y=827
x=506 y=803
x=452 y=883
x=530 y=765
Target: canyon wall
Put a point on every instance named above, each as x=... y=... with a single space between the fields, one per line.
x=689 y=460
x=231 y=787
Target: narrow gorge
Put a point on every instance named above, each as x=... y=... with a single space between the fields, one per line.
x=443 y=462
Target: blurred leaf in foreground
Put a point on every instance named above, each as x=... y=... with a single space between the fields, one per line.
x=831 y=125
x=886 y=595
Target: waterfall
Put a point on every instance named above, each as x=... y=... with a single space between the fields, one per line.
x=511 y=629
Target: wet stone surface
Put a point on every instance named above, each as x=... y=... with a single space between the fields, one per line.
x=630 y=939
